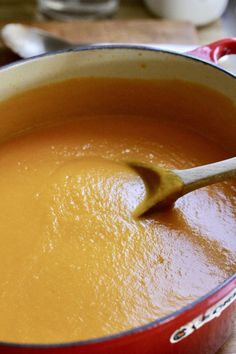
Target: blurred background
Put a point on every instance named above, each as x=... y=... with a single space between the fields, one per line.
x=174 y=24
x=180 y=22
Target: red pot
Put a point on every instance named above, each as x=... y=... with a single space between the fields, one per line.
x=203 y=326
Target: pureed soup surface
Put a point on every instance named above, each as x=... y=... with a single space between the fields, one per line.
x=74 y=263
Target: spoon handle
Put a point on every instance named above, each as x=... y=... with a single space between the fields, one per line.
x=202 y=176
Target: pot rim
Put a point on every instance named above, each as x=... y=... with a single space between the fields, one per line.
x=158 y=322
x=126 y=333
x=145 y=47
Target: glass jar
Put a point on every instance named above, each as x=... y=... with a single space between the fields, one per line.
x=74 y=9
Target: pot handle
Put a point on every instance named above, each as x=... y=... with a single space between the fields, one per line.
x=214 y=51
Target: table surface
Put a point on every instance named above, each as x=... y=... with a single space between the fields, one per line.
x=24 y=10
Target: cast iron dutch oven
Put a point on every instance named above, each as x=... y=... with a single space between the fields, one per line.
x=203 y=326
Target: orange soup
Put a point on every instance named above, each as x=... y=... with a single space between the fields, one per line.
x=75 y=263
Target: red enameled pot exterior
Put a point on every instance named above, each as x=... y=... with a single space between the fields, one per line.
x=200 y=328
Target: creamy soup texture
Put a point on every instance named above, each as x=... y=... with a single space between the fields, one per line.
x=74 y=262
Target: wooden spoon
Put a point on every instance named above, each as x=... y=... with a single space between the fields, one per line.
x=165 y=186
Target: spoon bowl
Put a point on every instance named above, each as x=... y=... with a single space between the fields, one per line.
x=164 y=186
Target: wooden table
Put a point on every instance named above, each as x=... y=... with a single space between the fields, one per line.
x=25 y=10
